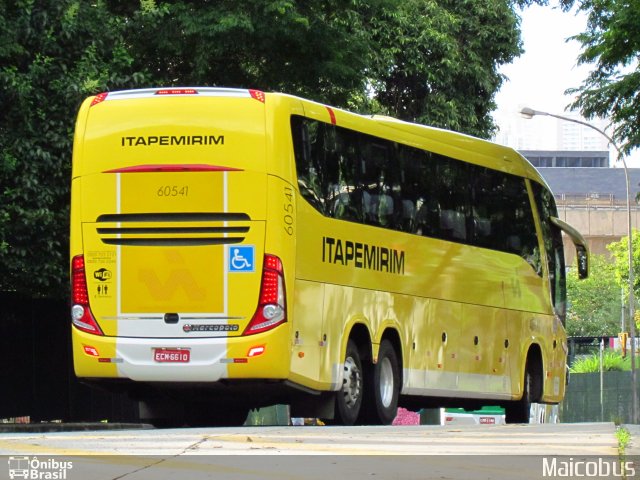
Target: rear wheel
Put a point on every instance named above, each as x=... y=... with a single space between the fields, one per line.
x=381 y=401
x=349 y=397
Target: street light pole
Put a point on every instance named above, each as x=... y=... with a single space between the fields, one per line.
x=530 y=113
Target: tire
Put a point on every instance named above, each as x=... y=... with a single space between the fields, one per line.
x=381 y=396
x=520 y=410
x=348 y=400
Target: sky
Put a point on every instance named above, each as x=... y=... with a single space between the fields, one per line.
x=538 y=79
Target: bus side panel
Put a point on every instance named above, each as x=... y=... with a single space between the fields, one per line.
x=308 y=333
x=483 y=359
x=278 y=233
x=423 y=336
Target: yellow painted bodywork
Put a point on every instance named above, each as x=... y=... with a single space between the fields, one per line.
x=466 y=316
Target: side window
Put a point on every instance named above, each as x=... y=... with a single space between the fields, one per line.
x=310 y=164
x=378 y=180
x=552 y=239
x=450 y=179
x=502 y=215
x=520 y=227
x=357 y=177
x=433 y=202
x=344 y=192
x=420 y=206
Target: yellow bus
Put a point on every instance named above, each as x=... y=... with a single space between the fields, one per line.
x=233 y=249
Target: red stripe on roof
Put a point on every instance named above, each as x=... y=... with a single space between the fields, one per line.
x=332 y=115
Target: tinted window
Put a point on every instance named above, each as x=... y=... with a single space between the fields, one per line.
x=552 y=239
x=357 y=177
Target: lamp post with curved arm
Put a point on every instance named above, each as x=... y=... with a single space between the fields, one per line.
x=530 y=113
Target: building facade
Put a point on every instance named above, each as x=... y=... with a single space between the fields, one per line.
x=593 y=200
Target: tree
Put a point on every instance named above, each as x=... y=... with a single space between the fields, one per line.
x=437 y=62
x=612 y=44
x=620 y=252
x=432 y=61
x=314 y=49
x=52 y=54
x=594 y=303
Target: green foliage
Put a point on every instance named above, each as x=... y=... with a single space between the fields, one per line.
x=278 y=45
x=433 y=61
x=620 y=252
x=437 y=62
x=52 y=54
x=612 y=44
x=624 y=438
x=594 y=304
x=612 y=361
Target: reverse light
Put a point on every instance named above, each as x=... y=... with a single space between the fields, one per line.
x=81 y=315
x=271 y=310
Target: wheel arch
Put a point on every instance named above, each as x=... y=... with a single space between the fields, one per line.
x=393 y=337
x=360 y=334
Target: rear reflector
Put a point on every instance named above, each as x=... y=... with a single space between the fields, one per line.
x=255 y=351
x=91 y=351
x=81 y=315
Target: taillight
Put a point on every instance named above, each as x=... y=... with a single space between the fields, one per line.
x=81 y=315
x=272 y=306
x=257 y=95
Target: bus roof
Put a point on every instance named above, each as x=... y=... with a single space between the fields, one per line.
x=463 y=147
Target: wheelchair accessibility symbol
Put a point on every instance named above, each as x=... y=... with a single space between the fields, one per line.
x=242 y=259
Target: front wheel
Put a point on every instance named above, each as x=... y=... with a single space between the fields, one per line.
x=381 y=402
x=520 y=410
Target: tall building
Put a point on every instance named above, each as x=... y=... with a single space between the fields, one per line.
x=576 y=137
x=552 y=134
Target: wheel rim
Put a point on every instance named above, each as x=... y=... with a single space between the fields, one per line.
x=386 y=382
x=352 y=382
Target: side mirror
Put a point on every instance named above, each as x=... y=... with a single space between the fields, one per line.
x=583 y=261
x=580 y=244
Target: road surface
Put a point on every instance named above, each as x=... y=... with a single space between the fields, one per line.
x=323 y=453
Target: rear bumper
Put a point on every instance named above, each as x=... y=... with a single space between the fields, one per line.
x=209 y=359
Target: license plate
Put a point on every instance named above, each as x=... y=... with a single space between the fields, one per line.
x=171 y=355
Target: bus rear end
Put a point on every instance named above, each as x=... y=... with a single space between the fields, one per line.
x=171 y=283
